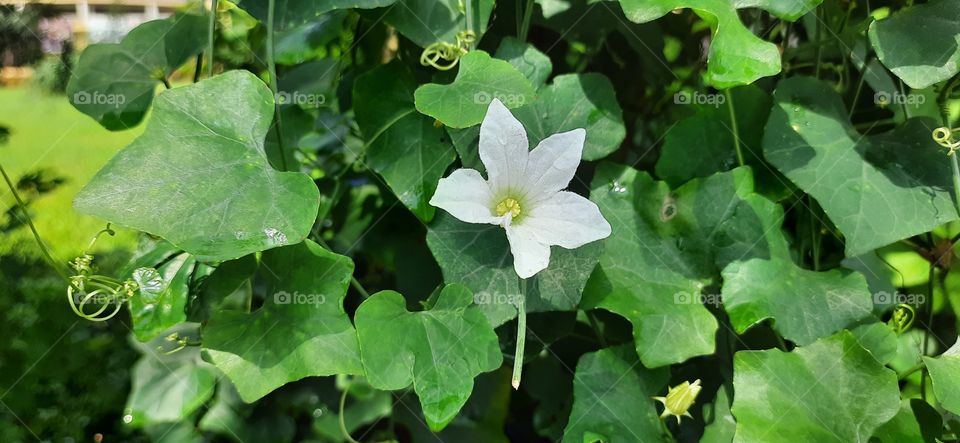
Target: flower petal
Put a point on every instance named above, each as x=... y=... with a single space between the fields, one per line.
x=566 y=220
x=466 y=196
x=529 y=255
x=503 y=148
x=553 y=163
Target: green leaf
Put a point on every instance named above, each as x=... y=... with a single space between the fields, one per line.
x=667 y=246
x=300 y=331
x=805 y=305
x=114 y=82
x=229 y=417
x=721 y=424
x=431 y=21
x=830 y=391
x=611 y=399
x=161 y=300
x=904 y=427
x=168 y=388
x=737 y=56
x=480 y=79
x=920 y=44
x=876 y=189
x=533 y=64
x=945 y=373
x=703 y=143
x=576 y=101
x=439 y=351
x=478 y=257
x=293 y=13
x=402 y=145
x=206 y=137
x=879 y=339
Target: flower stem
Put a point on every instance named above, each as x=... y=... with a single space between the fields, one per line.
x=272 y=68
x=521 y=334
x=735 y=129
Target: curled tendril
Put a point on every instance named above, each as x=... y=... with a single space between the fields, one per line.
x=449 y=53
x=96 y=297
x=178 y=341
x=902 y=318
x=944 y=137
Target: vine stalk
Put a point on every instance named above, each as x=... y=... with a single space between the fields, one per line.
x=210 y=34
x=272 y=68
x=521 y=334
x=735 y=129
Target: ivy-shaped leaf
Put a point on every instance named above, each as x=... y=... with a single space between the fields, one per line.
x=439 y=351
x=805 y=305
x=161 y=300
x=402 y=145
x=478 y=257
x=114 y=82
x=300 y=331
x=293 y=13
x=830 y=391
x=611 y=399
x=480 y=79
x=737 y=56
x=667 y=246
x=533 y=64
x=920 y=44
x=432 y=21
x=168 y=388
x=207 y=136
x=876 y=189
x=945 y=373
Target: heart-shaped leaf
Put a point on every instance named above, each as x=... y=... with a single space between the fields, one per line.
x=439 y=351
x=207 y=136
x=168 y=388
x=921 y=44
x=114 y=82
x=300 y=331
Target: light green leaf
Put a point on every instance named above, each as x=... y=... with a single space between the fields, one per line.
x=480 y=79
x=161 y=300
x=402 y=145
x=431 y=21
x=879 y=339
x=576 y=101
x=611 y=399
x=168 y=388
x=478 y=256
x=114 y=82
x=805 y=305
x=439 y=351
x=945 y=373
x=830 y=391
x=920 y=44
x=300 y=331
x=533 y=64
x=207 y=136
x=667 y=246
x=876 y=189
x=229 y=417
x=905 y=426
x=737 y=56
x=721 y=424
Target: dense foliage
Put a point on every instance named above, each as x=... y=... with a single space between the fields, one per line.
x=779 y=177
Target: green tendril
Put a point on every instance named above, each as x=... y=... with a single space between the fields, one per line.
x=96 y=297
x=944 y=137
x=902 y=318
x=443 y=55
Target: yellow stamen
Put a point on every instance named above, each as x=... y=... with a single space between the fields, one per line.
x=510 y=205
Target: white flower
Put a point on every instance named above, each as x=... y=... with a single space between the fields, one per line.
x=524 y=192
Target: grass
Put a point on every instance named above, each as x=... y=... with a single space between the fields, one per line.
x=47 y=132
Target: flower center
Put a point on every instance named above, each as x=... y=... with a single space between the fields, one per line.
x=510 y=205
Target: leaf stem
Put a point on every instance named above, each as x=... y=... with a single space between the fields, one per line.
x=343 y=423
x=354 y=283
x=596 y=328
x=521 y=334
x=525 y=24
x=272 y=68
x=468 y=6
x=210 y=34
x=36 y=235
x=910 y=371
x=735 y=129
